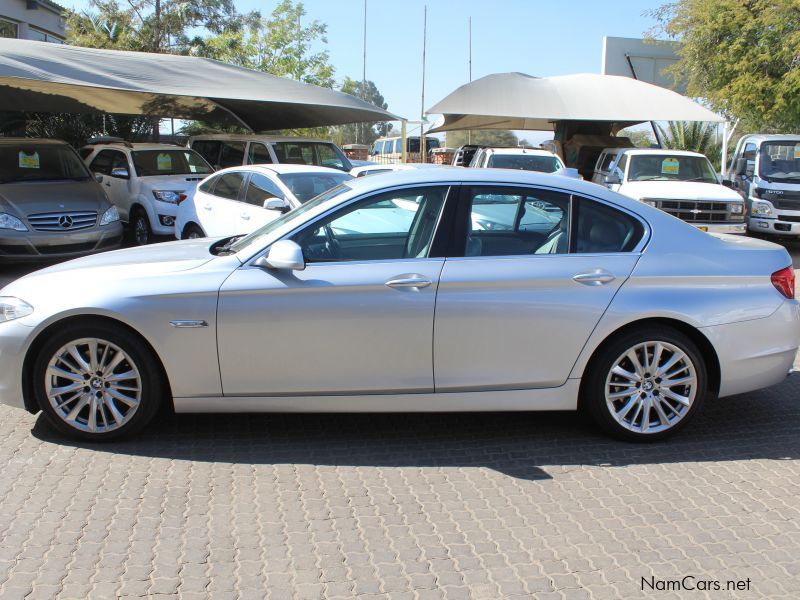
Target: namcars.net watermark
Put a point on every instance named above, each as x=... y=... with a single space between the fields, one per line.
x=690 y=583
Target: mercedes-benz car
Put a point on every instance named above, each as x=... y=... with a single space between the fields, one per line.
x=391 y=293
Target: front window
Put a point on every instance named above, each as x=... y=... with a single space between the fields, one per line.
x=392 y=225
x=306 y=186
x=40 y=162
x=525 y=162
x=669 y=167
x=8 y=29
x=169 y=162
x=779 y=161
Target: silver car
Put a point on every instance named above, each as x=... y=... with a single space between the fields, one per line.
x=50 y=205
x=425 y=290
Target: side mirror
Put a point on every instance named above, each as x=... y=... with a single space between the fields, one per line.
x=275 y=204
x=741 y=166
x=284 y=254
x=727 y=183
x=98 y=177
x=612 y=179
x=120 y=172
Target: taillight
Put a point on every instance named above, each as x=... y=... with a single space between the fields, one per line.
x=783 y=281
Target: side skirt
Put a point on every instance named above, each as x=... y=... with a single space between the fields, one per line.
x=564 y=397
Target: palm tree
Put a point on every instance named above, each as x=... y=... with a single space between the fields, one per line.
x=696 y=136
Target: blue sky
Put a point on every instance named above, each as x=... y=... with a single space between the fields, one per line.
x=537 y=37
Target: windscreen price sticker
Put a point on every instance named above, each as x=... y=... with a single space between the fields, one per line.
x=28 y=161
x=164 y=162
x=797 y=151
x=670 y=166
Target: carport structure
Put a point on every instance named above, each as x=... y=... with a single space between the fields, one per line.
x=42 y=77
x=585 y=104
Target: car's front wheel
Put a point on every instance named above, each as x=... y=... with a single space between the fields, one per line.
x=645 y=385
x=141 y=233
x=192 y=232
x=97 y=382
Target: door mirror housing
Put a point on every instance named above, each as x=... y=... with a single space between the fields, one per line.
x=120 y=172
x=727 y=183
x=612 y=179
x=276 y=204
x=98 y=177
x=284 y=254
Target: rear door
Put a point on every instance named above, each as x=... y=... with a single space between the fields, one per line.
x=220 y=210
x=538 y=269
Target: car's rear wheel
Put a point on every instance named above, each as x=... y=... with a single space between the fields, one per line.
x=192 y=232
x=97 y=382
x=645 y=385
x=141 y=233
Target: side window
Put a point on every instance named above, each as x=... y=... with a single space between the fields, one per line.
x=606 y=160
x=749 y=155
x=388 y=146
x=328 y=157
x=102 y=162
x=258 y=154
x=377 y=147
x=228 y=185
x=232 y=155
x=513 y=221
x=621 y=164
x=208 y=185
x=392 y=225
x=261 y=188
x=398 y=146
x=208 y=149
x=119 y=161
x=601 y=228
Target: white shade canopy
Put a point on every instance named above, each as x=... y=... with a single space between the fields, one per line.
x=519 y=101
x=45 y=77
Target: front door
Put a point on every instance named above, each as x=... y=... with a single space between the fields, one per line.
x=357 y=320
x=539 y=269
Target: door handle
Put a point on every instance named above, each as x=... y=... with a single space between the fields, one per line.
x=108 y=184
x=207 y=206
x=408 y=282
x=596 y=277
x=245 y=216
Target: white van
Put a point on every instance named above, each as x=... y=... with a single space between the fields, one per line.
x=765 y=170
x=390 y=149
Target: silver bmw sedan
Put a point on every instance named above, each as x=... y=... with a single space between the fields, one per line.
x=427 y=290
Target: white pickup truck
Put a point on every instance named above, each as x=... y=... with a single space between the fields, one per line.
x=680 y=183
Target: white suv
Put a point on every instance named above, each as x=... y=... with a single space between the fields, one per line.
x=146 y=182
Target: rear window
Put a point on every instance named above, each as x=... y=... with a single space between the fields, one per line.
x=524 y=162
x=40 y=162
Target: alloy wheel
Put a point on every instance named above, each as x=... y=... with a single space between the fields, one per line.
x=651 y=387
x=93 y=385
x=141 y=231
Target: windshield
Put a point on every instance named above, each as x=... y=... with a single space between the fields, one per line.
x=779 y=160
x=525 y=162
x=306 y=186
x=40 y=162
x=257 y=237
x=149 y=163
x=665 y=167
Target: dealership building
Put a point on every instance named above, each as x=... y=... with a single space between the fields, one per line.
x=40 y=20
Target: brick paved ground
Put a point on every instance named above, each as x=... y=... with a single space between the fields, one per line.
x=413 y=506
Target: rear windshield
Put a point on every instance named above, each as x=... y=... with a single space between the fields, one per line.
x=306 y=186
x=430 y=144
x=40 y=162
x=525 y=162
x=149 y=163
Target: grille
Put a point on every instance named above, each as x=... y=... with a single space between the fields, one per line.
x=790 y=218
x=783 y=203
x=696 y=211
x=63 y=221
x=66 y=249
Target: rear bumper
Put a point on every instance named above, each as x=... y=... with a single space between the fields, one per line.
x=35 y=245
x=757 y=353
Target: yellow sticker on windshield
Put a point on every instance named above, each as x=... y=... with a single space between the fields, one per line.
x=28 y=161
x=797 y=151
x=670 y=166
x=164 y=162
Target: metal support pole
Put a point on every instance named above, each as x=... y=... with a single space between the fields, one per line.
x=422 y=144
x=404 y=140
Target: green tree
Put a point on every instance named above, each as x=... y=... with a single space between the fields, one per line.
x=743 y=56
x=638 y=137
x=482 y=137
x=362 y=133
x=695 y=136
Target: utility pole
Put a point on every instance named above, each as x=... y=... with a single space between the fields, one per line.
x=469 y=24
x=360 y=128
x=157 y=48
x=422 y=144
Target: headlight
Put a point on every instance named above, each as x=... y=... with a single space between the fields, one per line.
x=761 y=209
x=8 y=221
x=13 y=308
x=169 y=196
x=737 y=209
x=111 y=215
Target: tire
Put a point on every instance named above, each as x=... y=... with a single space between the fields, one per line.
x=131 y=384
x=192 y=232
x=140 y=230
x=653 y=410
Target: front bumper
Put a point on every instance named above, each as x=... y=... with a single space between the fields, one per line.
x=39 y=245
x=775 y=226
x=14 y=340
x=757 y=353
